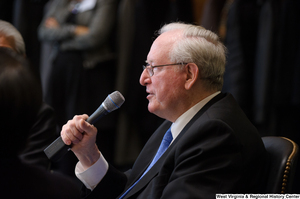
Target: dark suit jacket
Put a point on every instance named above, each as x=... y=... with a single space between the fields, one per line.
x=21 y=180
x=41 y=135
x=218 y=151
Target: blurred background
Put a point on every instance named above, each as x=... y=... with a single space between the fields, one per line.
x=262 y=71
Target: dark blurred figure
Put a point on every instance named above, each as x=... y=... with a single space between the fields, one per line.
x=42 y=131
x=263 y=67
x=82 y=65
x=212 y=14
x=20 y=102
x=6 y=7
x=26 y=15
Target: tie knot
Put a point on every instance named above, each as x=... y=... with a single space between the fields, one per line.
x=168 y=137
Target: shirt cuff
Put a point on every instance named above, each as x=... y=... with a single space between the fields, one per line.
x=94 y=174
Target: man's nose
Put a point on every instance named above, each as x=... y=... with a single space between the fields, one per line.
x=145 y=78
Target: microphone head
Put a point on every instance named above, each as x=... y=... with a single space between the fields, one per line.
x=113 y=101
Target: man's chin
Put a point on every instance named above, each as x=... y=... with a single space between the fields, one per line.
x=151 y=108
x=154 y=110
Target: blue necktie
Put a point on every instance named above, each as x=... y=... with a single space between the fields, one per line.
x=162 y=148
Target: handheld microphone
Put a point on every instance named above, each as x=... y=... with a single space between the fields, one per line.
x=58 y=148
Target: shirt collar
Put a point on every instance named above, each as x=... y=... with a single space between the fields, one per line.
x=182 y=121
x=86 y=5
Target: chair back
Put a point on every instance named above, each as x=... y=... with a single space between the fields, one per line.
x=283 y=155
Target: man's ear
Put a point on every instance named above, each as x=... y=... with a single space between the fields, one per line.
x=192 y=73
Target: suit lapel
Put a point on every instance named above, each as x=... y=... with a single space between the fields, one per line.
x=161 y=130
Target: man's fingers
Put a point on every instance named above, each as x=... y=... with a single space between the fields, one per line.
x=86 y=127
x=64 y=137
x=72 y=132
x=73 y=135
x=67 y=133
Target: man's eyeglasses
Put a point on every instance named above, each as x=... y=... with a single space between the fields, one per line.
x=150 y=68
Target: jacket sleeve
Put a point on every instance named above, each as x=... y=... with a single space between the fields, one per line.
x=42 y=133
x=58 y=10
x=100 y=28
x=111 y=186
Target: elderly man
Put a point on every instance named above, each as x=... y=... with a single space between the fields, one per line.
x=212 y=147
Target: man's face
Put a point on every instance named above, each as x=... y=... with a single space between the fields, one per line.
x=166 y=86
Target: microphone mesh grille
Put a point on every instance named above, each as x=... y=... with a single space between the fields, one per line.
x=114 y=101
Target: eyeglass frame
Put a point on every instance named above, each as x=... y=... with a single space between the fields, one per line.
x=150 y=68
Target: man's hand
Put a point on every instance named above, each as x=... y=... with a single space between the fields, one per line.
x=82 y=136
x=81 y=30
x=51 y=22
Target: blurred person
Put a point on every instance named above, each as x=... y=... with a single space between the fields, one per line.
x=210 y=145
x=82 y=63
x=20 y=102
x=10 y=37
x=263 y=66
x=25 y=15
x=43 y=128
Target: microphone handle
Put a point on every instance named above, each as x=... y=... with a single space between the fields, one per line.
x=57 y=149
x=99 y=113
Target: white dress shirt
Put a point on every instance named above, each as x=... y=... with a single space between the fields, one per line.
x=94 y=174
x=83 y=6
x=87 y=5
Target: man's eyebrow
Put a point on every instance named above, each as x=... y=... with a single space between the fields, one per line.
x=149 y=61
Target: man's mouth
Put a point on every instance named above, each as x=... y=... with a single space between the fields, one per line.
x=149 y=95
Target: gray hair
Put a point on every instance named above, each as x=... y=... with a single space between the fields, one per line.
x=8 y=30
x=202 y=47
